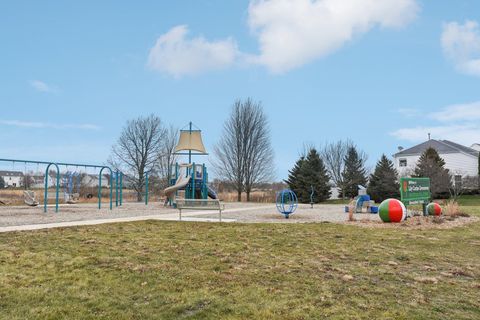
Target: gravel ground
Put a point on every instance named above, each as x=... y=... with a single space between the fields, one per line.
x=304 y=213
x=242 y=212
x=23 y=215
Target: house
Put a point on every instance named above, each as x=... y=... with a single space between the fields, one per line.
x=12 y=178
x=476 y=146
x=460 y=160
x=92 y=180
x=37 y=180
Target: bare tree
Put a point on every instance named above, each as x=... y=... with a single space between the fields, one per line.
x=333 y=155
x=166 y=157
x=136 y=151
x=27 y=180
x=244 y=155
x=258 y=159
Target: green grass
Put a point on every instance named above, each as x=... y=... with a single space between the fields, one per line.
x=169 y=270
x=470 y=200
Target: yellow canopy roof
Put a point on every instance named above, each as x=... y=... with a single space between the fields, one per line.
x=190 y=140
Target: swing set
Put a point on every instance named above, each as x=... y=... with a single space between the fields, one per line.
x=30 y=196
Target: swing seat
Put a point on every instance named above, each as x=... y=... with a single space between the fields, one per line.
x=70 y=198
x=30 y=198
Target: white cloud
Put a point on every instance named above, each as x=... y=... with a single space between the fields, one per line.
x=408 y=112
x=459 y=112
x=292 y=33
x=47 y=125
x=458 y=123
x=461 y=44
x=467 y=134
x=177 y=55
x=42 y=86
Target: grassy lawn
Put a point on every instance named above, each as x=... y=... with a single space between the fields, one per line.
x=469 y=201
x=169 y=270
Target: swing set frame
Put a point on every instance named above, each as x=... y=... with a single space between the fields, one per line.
x=118 y=176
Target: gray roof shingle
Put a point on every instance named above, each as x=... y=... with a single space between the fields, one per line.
x=442 y=146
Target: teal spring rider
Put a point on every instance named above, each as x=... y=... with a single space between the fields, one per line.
x=287 y=202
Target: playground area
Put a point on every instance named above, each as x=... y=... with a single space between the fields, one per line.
x=234 y=212
x=43 y=192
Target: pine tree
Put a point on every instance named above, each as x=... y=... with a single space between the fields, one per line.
x=309 y=171
x=383 y=182
x=294 y=180
x=354 y=173
x=315 y=175
x=431 y=165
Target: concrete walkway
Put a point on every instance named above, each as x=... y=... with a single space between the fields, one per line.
x=189 y=216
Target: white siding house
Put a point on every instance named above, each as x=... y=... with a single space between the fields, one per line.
x=460 y=160
x=92 y=180
x=12 y=178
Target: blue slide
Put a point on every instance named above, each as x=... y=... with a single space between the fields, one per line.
x=360 y=201
x=212 y=193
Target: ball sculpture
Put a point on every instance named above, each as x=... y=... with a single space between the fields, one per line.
x=287 y=202
x=434 y=209
x=392 y=210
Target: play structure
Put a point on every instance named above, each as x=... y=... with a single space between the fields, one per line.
x=52 y=178
x=363 y=201
x=392 y=210
x=190 y=180
x=286 y=202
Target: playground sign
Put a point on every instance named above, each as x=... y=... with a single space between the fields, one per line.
x=415 y=190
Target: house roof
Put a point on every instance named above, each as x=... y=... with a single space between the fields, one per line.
x=5 y=173
x=442 y=146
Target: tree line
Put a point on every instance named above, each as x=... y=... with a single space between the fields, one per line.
x=243 y=157
x=342 y=165
x=339 y=164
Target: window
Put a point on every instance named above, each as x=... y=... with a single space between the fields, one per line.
x=402 y=162
x=458 y=181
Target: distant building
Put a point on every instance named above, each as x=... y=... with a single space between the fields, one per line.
x=12 y=178
x=92 y=180
x=460 y=160
x=37 y=180
x=475 y=146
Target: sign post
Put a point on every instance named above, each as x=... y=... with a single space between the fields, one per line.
x=415 y=191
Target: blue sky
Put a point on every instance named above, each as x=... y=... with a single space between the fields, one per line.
x=383 y=74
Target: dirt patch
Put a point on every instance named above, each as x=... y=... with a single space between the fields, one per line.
x=419 y=222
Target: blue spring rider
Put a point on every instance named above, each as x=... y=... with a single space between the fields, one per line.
x=287 y=202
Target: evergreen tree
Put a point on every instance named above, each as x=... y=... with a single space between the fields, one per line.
x=294 y=180
x=315 y=175
x=2 y=183
x=383 y=182
x=431 y=165
x=309 y=172
x=354 y=173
